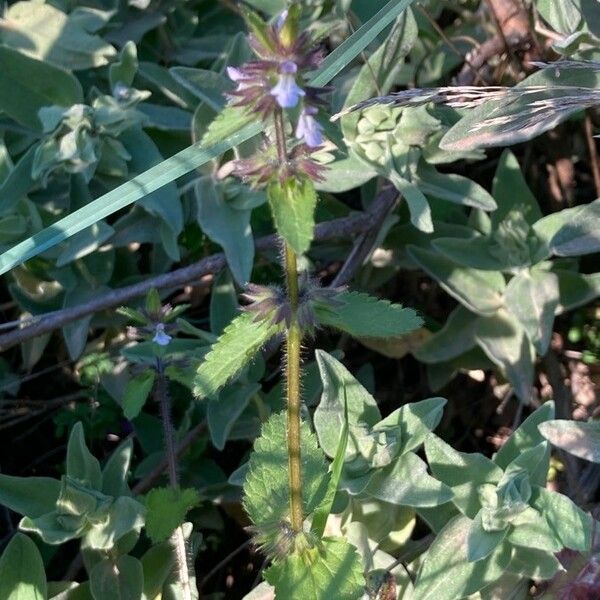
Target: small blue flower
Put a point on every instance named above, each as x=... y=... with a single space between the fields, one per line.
x=308 y=128
x=287 y=92
x=160 y=337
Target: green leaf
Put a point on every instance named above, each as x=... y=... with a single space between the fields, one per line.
x=157 y=563
x=526 y=436
x=455 y=338
x=120 y=579
x=385 y=319
x=572 y=526
x=22 y=571
x=446 y=573
x=322 y=513
x=453 y=188
x=581 y=439
x=29 y=496
x=533 y=297
x=266 y=489
x=81 y=464
x=166 y=510
x=406 y=482
x=123 y=71
x=414 y=421
x=208 y=86
x=223 y=411
x=333 y=569
x=576 y=289
x=480 y=291
x=223 y=302
x=124 y=516
x=343 y=395
x=26 y=85
x=184 y=161
x=579 y=234
x=46 y=33
x=226 y=226
x=19 y=180
x=533 y=563
x=531 y=530
x=505 y=343
x=345 y=174
x=116 y=469
x=418 y=206
x=480 y=542
x=293 y=204
x=463 y=473
x=234 y=349
x=136 y=393
x=510 y=190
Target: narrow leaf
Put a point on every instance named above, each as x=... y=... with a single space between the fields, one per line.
x=384 y=318
x=234 y=349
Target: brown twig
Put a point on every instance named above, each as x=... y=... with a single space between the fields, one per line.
x=338 y=228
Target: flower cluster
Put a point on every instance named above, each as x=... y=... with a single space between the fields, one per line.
x=154 y=322
x=275 y=80
x=272 y=302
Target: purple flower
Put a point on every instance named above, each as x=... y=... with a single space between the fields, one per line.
x=308 y=129
x=160 y=337
x=287 y=92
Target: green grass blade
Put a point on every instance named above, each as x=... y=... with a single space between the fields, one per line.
x=191 y=158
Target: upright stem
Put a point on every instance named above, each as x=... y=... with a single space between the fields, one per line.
x=161 y=394
x=292 y=359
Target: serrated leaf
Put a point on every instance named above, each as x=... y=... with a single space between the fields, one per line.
x=266 y=489
x=362 y=315
x=22 y=575
x=532 y=297
x=293 y=206
x=234 y=349
x=331 y=570
x=136 y=393
x=166 y=510
x=340 y=390
x=480 y=291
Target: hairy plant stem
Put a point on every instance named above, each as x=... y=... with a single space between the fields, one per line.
x=161 y=394
x=292 y=358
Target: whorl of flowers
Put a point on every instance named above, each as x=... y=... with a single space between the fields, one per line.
x=275 y=80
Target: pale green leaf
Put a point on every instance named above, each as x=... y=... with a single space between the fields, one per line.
x=480 y=542
x=463 y=473
x=533 y=563
x=406 y=482
x=81 y=464
x=333 y=569
x=579 y=438
x=29 y=496
x=340 y=390
x=116 y=469
x=118 y=579
x=46 y=33
x=531 y=529
x=532 y=297
x=26 y=85
x=572 y=525
x=362 y=315
x=266 y=488
x=166 y=509
x=480 y=291
x=293 y=206
x=576 y=289
x=224 y=305
x=234 y=349
x=22 y=575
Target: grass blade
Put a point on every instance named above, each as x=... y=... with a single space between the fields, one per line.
x=192 y=157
